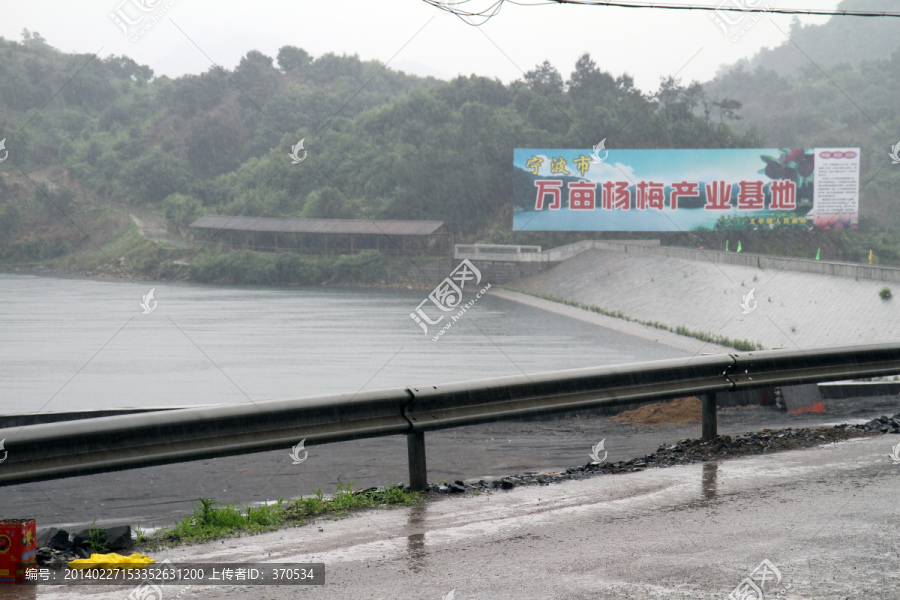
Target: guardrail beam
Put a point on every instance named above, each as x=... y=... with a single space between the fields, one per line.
x=54 y=450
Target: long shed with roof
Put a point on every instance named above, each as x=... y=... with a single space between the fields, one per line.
x=329 y=236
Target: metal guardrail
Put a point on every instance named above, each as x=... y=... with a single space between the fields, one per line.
x=54 y=450
x=499 y=252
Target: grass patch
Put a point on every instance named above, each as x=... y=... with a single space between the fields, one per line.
x=745 y=345
x=97 y=540
x=213 y=520
x=345 y=499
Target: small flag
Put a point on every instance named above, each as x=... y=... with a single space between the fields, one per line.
x=726 y=245
x=817 y=253
x=870 y=257
x=739 y=246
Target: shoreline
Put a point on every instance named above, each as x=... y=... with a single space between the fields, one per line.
x=661 y=336
x=93 y=276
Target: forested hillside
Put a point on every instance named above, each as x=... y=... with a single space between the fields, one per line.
x=381 y=144
x=384 y=144
x=840 y=90
x=844 y=40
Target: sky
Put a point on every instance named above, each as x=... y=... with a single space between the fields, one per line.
x=188 y=36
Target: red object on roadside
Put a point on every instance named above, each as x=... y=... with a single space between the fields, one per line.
x=18 y=547
x=817 y=407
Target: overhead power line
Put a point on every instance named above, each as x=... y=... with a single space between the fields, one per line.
x=733 y=6
x=460 y=8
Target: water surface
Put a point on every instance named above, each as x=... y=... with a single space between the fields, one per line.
x=77 y=344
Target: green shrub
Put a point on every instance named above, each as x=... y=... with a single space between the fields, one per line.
x=181 y=210
x=263 y=268
x=366 y=267
x=295 y=269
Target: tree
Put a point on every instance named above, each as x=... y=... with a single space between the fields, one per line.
x=156 y=175
x=214 y=146
x=292 y=59
x=588 y=83
x=32 y=38
x=327 y=203
x=256 y=76
x=181 y=210
x=728 y=109
x=694 y=95
x=126 y=68
x=545 y=79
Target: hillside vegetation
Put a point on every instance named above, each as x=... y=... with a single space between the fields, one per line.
x=834 y=84
x=386 y=145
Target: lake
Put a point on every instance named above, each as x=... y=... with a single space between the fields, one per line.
x=78 y=344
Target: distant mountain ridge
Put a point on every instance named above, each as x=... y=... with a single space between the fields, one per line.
x=844 y=39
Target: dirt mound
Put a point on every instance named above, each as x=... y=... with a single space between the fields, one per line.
x=679 y=410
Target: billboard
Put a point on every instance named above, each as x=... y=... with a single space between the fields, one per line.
x=741 y=189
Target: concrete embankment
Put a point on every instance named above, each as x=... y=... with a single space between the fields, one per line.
x=790 y=309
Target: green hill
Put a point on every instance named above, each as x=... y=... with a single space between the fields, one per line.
x=381 y=144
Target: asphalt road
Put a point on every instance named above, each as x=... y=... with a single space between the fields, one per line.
x=825 y=518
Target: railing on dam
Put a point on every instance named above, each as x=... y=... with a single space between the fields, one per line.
x=491 y=252
x=511 y=253
x=499 y=252
x=64 y=449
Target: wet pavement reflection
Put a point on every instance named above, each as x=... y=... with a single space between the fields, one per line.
x=415 y=542
x=708 y=480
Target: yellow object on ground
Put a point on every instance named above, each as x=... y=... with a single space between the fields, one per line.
x=112 y=561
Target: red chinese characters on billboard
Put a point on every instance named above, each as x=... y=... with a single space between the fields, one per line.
x=697 y=189
x=649 y=195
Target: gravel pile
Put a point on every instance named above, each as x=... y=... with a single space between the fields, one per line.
x=689 y=451
x=884 y=424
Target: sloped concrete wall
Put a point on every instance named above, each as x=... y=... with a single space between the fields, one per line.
x=790 y=309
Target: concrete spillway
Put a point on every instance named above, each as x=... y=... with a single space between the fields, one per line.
x=790 y=309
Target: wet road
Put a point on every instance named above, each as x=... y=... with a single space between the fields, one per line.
x=824 y=517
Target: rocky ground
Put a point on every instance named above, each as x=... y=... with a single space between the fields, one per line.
x=691 y=451
x=56 y=547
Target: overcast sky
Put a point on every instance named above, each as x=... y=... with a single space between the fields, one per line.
x=408 y=34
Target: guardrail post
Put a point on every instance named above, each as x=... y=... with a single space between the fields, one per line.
x=708 y=411
x=418 y=472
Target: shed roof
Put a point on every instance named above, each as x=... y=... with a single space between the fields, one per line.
x=339 y=226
